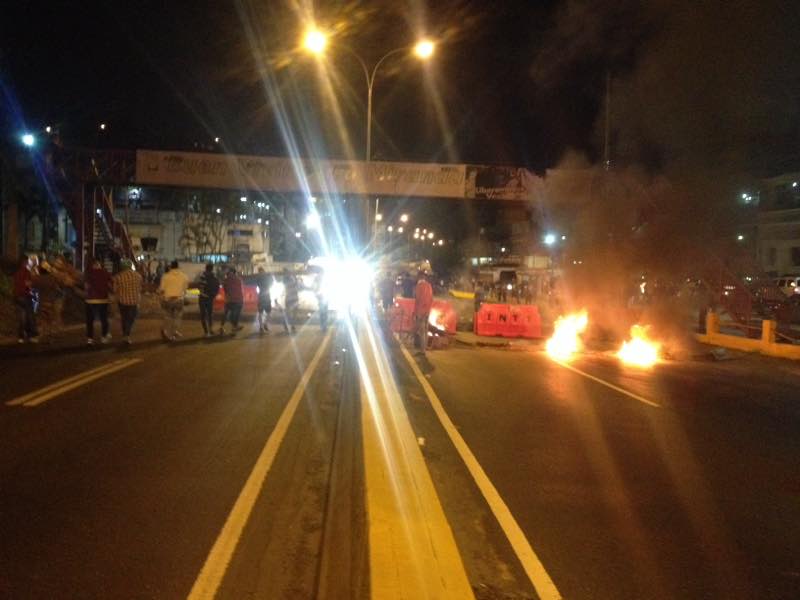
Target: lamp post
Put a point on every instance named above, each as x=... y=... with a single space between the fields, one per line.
x=316 y=41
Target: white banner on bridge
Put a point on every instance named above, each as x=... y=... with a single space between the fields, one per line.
x=192 y=169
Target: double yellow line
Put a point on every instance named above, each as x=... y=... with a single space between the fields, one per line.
x=44 y=394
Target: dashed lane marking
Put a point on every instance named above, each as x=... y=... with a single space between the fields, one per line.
x=63 y=386
x=534 y=569
x=208 y=581
x=609 y=385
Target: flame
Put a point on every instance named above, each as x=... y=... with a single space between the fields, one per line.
x=640 y=351
x=566 y=339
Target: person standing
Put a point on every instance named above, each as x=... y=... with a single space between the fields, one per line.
x=24 y=302
x=264 y=300
x=234 y=299
x=386 y=288
x=128 y=289
x=209 y=289
x=98 y=290
x=172 y=288
x=423 y=301
x=290 y=300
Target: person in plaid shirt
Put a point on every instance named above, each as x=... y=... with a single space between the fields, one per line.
x=128 y=289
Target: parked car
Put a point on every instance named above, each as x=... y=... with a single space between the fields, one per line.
x=788 y=284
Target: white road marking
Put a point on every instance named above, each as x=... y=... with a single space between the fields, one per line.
x=608 y=385
x=213 y=571
x=541 y=581
x=44 y=394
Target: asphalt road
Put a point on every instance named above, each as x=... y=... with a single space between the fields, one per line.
x=136 y=483
x=698 y=497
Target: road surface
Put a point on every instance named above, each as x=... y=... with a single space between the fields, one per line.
x=326 y=466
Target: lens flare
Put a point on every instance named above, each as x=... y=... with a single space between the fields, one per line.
x=566 y=340
x=640 y=350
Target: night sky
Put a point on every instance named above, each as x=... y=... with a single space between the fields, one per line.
x=515 y=82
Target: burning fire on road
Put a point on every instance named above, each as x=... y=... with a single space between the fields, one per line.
x=640 y=350
x=566 y=340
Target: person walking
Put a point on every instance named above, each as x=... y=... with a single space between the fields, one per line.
x=290 y=301
x=24 y=302
x=172 y=288
x=209 y=289
x=98 y=290
x=128 y=289
x=264 y=281
x=423 y=300
x=234 y=300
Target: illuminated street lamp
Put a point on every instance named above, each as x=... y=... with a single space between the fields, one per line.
x=28 y=139
x=424 y=49
x=550 y=239
x=316 y=41
x=404 y=218
x=399 y=230
x=441 y=242
x=430 y=235
x=390 y=229
x=378 y=217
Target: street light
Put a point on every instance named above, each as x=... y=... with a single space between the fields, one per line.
x=430 y=235
x=378 y=217
x=28 y=140
x=315 y=41
x=404 y=218
x=550 y=239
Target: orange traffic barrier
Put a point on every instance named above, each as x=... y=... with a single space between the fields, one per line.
x=515 y=320
x=250 y=298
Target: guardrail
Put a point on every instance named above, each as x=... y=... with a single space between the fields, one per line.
x=767 y=344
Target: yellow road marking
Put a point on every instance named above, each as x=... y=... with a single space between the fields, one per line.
x=210 y=577
x=609 y=385
x=534 y=569
x=44 y=394
x=412 y=551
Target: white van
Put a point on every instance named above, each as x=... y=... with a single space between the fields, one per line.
x=788 y=284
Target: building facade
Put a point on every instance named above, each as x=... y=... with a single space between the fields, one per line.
x=778 y=225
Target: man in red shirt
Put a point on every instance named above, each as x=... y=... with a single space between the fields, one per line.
x=423 y=299
x=23 y=301
x=234 y=300
x=98 y=289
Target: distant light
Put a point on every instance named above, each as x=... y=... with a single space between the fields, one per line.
x=399 y=230
x=242 y=217
x=424 y=231
x=744 y=196
x=794 y=184
x=740 y=237
x=441 y=242
x=313 y=220
x=312 y=199
x=258 y=220
x=416 y=230
x=266 y=222
x=503 y=249
x=550 y=239
x=315 y=41
x=219 y=211
x=243 y=199
x=563 y=237
x=430 y=235
x=404 y=218
x=390 y=228
x=28 y=140
x=216 y=140
x=378 y=217
x=424 y=49
x=48 y=129
x=102 y=126
x=416 y=236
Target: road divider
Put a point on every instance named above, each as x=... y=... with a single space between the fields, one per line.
x=412 y=550
x=533 y=567
x=211 y=575
x=63 y=386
